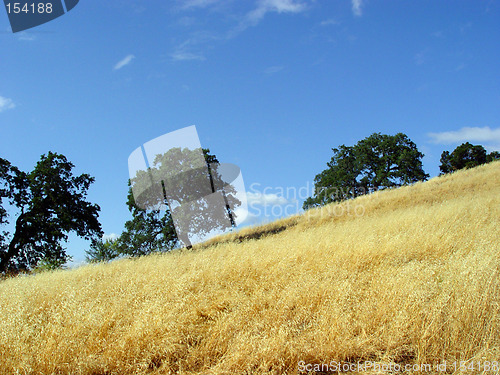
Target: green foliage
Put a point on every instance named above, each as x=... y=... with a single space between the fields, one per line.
x=492 y=156
x=8 y=174
x=102 y=251
x=51 y=203
x=376 y=162
x=465 y=156
x=47 y=264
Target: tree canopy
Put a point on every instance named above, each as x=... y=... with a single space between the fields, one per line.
x=51 y=203
x=465 y=156
x=376 y=162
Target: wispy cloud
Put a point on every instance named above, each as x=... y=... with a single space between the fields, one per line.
x=357 y=7
x=125 y=61
x=181 y=55
x=329 y=22
x=191 y=48
x=247 y=218
x=274 y=69
x=264 y=7
x=24 y=36
x=490 y=137
x=6 y=103
x=261 y=199
x=189 y=4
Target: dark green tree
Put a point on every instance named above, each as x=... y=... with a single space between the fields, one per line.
x=492 y=156
x=465 y=156
x=445 y=161
x=389 y=161
x=51 y=203
x=9 y=176
x=102 y=250
x=376 y=162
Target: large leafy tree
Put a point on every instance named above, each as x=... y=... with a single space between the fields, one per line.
x=376 y=162
x=152 y=229
x=465 y=156
x=51 y=203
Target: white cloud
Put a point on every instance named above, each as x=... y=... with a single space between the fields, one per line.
x=249 y=218
x=356 y=7
x=125 y=61
x=6 y=103
x=274 y=69
x=188 y=4
x=259 y=199
x=109 y=237
x=267 y=6
x=476 y=134
x=329 y=22
x=181 y=55
x=190 y=49
x=26 y=37
x=491 y=137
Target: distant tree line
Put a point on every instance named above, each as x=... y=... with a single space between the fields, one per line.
x=384 y=161
x=377 y=162
x=466 y=156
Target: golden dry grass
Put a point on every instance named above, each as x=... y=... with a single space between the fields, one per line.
x=409 y=276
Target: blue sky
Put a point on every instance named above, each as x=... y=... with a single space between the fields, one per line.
x=271 y=85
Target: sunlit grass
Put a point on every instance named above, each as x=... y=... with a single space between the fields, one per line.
x=408 y=276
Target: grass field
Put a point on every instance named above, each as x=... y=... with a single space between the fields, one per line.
x=406 y=277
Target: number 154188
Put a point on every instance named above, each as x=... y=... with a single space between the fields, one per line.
x=29 y=8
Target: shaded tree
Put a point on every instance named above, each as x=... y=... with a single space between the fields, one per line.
x=51 y=203
x=389 y=161
x=465 y=156
x=492 y=156
x=102 y=250
x=377 y=162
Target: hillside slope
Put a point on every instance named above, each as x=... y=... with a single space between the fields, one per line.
x=403 y=277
